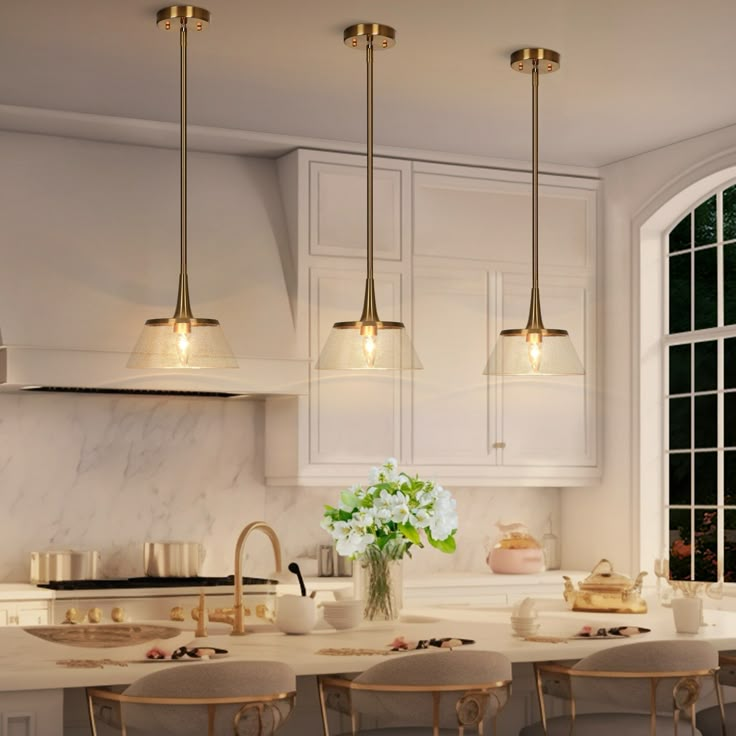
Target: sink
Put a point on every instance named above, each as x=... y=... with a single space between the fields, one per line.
x=104 y=636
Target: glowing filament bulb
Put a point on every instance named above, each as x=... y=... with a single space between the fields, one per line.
x=182 y=330
x=369 y=350
x=534 y=351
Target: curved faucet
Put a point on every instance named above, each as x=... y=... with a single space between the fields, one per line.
x=239 y=623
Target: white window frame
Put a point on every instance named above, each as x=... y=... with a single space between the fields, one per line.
x=650 y=342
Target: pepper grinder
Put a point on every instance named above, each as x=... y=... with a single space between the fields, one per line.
x=551 y=547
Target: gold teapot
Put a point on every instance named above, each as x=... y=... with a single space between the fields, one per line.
x=605 y=591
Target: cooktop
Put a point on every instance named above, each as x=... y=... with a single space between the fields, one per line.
x=149 y=582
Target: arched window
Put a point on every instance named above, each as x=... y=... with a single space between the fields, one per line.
x=700 y=390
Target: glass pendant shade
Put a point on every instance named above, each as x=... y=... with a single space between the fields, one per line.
x=172 y=343
x=525 y=353
x=365 y=346
x=534 y=350
x=368 y=343
x=182 y=341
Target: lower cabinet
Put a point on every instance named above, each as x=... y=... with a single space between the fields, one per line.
x=32 y=713
x=24 y=613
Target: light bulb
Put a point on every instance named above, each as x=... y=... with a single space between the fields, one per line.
x=182 y=330
x=369 y=350
x=534 y=352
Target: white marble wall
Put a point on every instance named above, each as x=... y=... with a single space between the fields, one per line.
x=110 y=472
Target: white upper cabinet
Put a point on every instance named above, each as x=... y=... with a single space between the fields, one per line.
x=453 y=262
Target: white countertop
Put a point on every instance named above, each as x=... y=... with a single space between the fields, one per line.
x=28 y=663
x=24 y=592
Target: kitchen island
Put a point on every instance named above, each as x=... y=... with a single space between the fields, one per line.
x=32 y=683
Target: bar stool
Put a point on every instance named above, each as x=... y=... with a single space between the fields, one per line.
x=711 y=721
x=645 y=688
x=444 y=693
x=195 y=699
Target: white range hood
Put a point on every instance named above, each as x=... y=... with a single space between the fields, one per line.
x=32 y=368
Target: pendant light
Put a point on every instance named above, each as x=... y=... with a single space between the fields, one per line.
x=534 y=349
x=370 y=343
x=182 y=341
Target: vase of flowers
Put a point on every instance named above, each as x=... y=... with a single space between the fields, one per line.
x=377 y=525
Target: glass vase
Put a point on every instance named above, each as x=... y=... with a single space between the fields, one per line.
x=379 y=583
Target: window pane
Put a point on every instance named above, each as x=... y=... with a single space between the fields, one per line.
x=705 y=222
x=706 y=478
x=729 y=362
x=729 y=477
x=680 y=235
x=706 y=420
x=729 y=213
x=706 y=289
x=706 y=365
x=680 y=369
x=729 y=419
x=729 y=284
x=706 y=545
x=680 y=549
x=729 y=559
x=679 y=293
x=680 y=479
x=680 y=424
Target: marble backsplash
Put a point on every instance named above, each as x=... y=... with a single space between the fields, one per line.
x=111 y=472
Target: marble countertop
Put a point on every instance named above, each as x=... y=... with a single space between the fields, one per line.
x=28 y=663
x=24 y=592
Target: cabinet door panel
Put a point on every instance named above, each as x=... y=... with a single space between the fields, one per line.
x=451 y=395
x=5 y=616
x=489 y=219
x=337 y=209
x=354 y=415
x=546 y=419
x=33 y=614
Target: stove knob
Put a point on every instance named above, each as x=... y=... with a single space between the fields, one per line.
x=177 y=614
x=94 y=615
x=117 y=615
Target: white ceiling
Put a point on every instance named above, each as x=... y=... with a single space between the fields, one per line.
x=635 y=74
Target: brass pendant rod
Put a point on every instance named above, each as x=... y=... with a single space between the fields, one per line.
x=183 y=306
x=370 y=313
x=535 y=309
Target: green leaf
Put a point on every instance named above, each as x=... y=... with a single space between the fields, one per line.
x=410 y=533
x=349 y=499
x=445 y=545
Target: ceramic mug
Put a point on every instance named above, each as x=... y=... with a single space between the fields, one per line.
x=295 y=614
x=688 y=613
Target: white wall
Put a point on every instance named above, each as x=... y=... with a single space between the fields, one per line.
x=611 y=520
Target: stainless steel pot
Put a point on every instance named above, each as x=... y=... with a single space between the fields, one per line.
x=173 y=559
x=65 y=564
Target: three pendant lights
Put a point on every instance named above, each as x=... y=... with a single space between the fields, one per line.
x=369 y=343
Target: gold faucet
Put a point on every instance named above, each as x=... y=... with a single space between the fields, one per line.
x=239 y=623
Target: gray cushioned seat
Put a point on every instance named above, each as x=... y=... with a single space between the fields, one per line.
x=629 y=699
x=400 y=713
x=203 y=680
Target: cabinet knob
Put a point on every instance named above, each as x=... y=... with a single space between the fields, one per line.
x=499 y=445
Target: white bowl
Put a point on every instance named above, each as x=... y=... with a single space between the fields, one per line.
x=343 y=614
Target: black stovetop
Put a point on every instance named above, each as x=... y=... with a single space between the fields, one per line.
x=149 y=582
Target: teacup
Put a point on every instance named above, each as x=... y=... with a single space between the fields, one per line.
x=295 y=614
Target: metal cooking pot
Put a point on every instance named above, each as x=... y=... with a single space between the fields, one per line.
x=65 y=564
x=172 y=559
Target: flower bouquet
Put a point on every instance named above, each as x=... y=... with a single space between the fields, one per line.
x=377 y=525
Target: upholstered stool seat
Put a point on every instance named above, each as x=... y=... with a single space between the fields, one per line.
x=644 y=688
x=201 y=699
x=441 y=693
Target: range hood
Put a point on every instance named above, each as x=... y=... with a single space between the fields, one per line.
x=24 y=368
